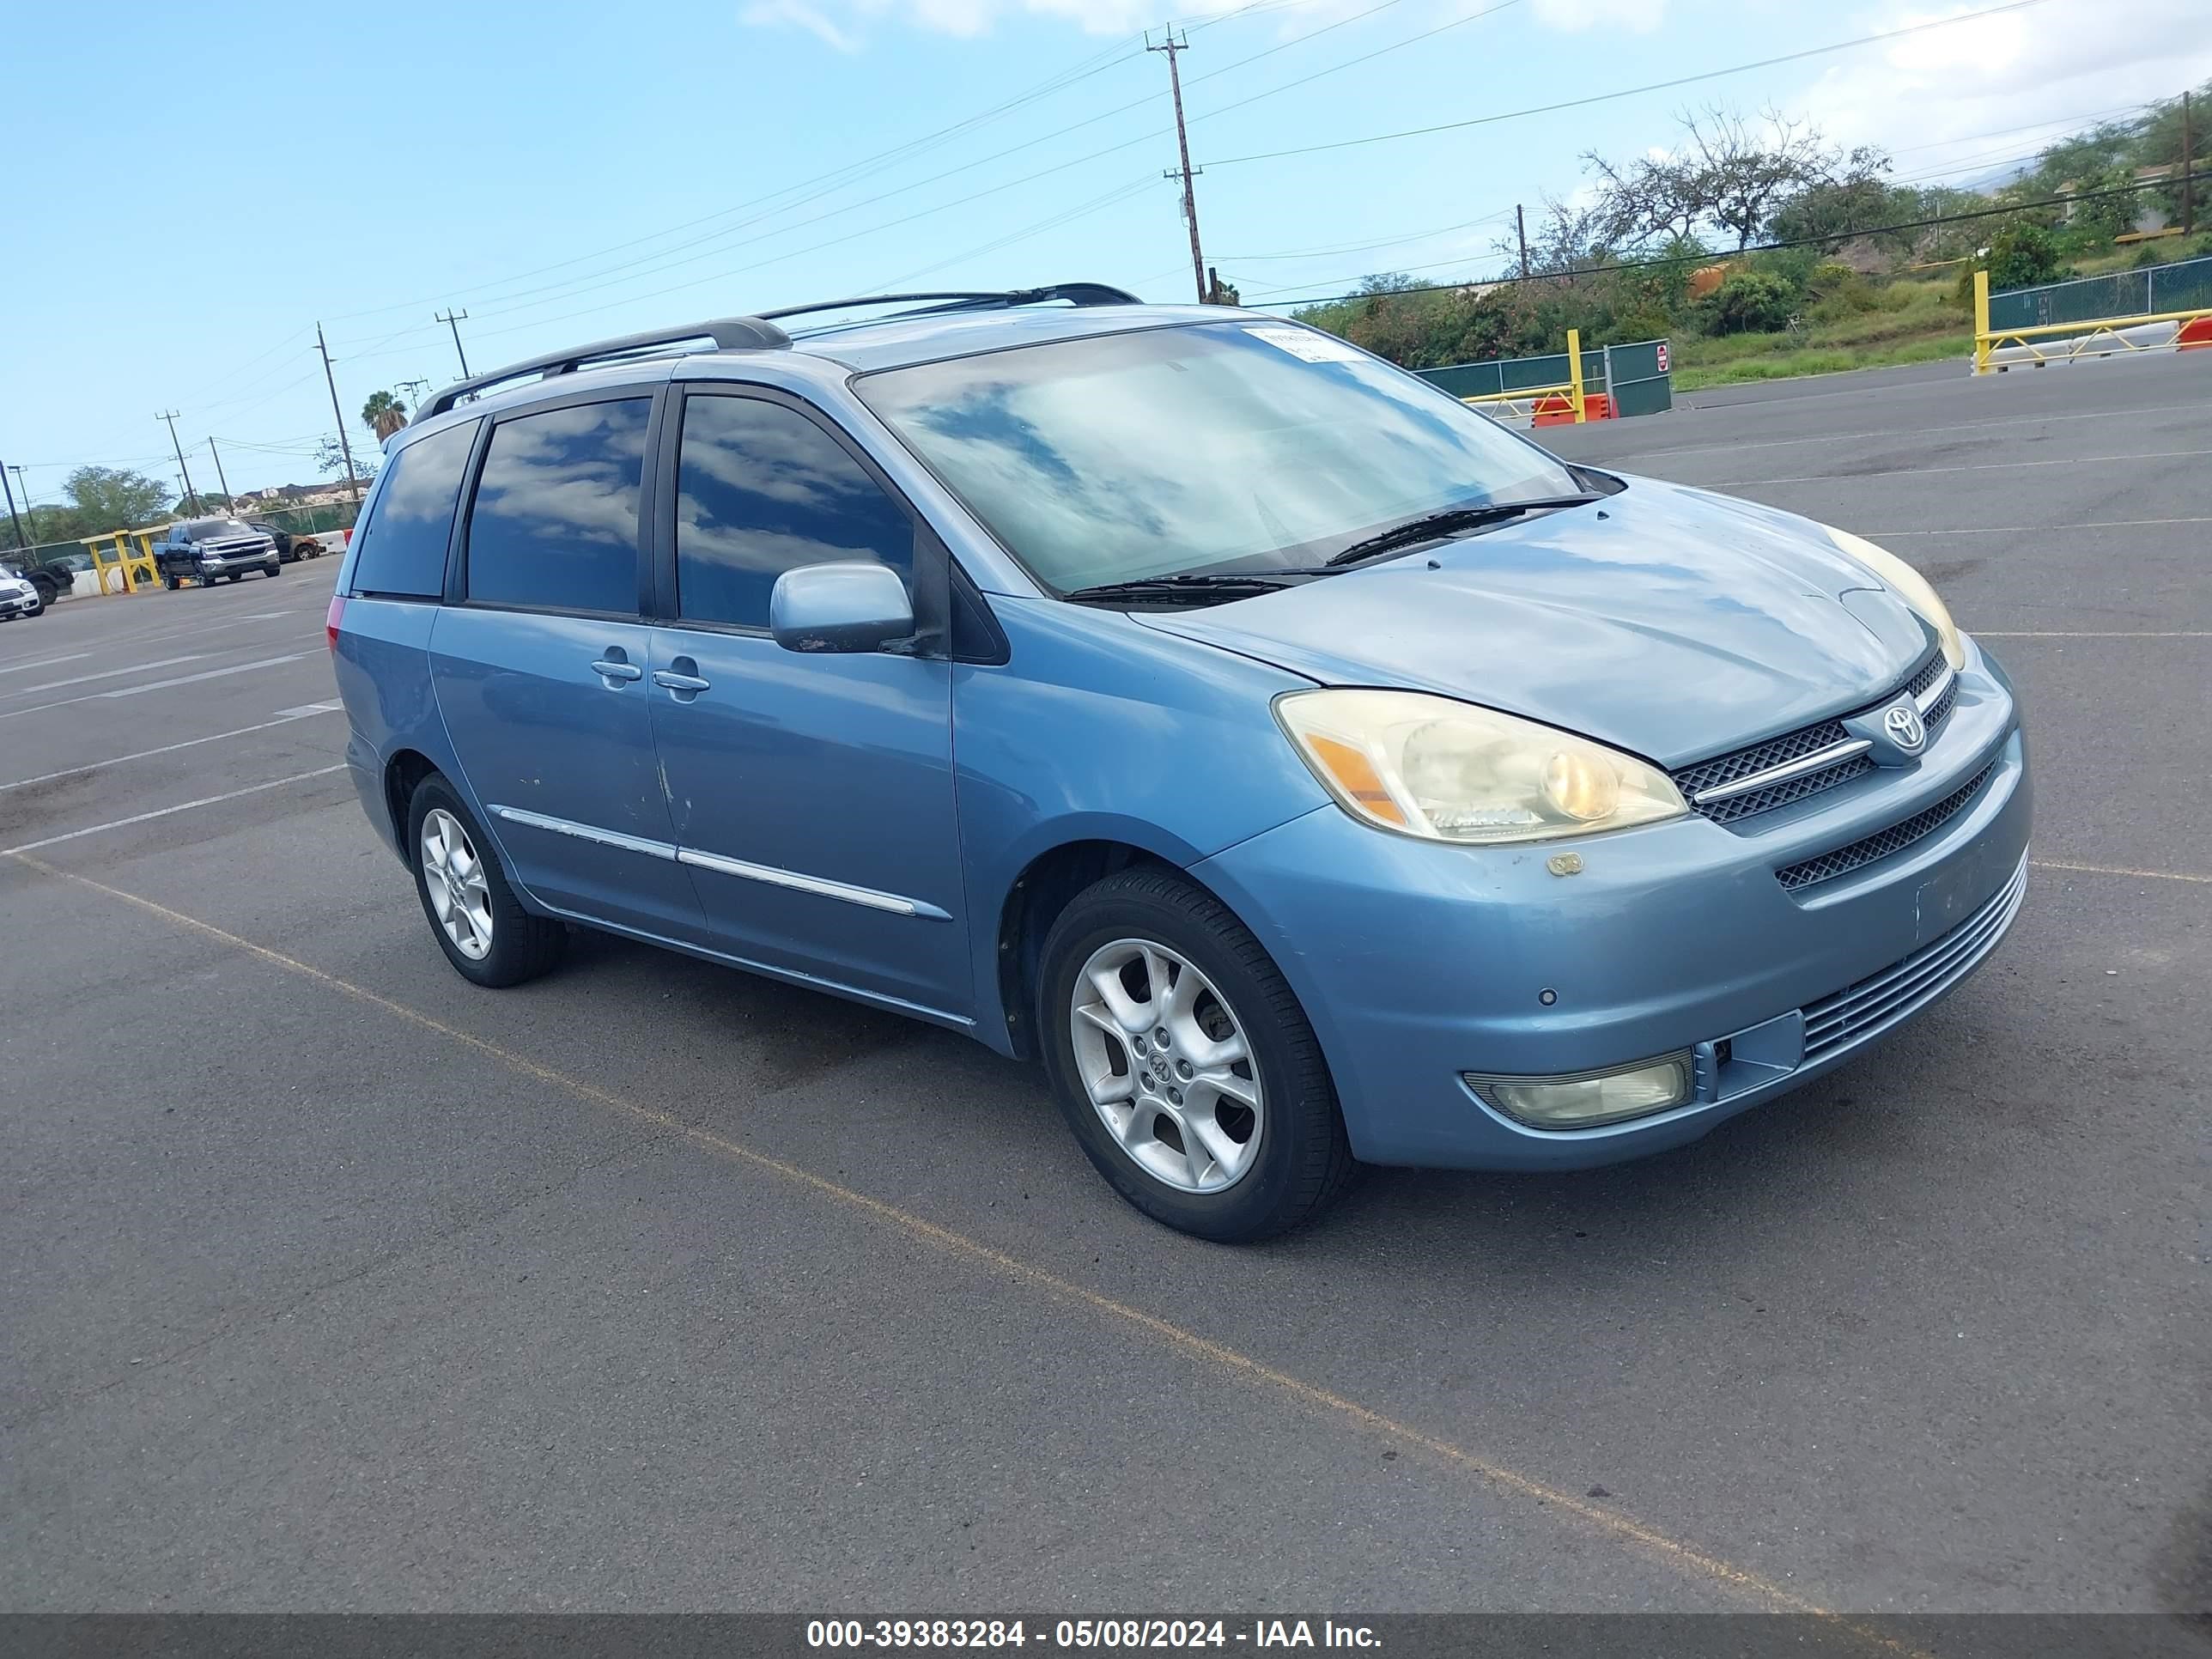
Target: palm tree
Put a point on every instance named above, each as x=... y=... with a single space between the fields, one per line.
x=383 y=414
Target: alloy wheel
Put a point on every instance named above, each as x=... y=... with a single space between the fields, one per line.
x=453 y=876
x=1165 y=1063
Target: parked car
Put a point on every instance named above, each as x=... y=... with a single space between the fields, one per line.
x=19 y=595
x=290 y=548
x=52 y=573
x=1298 y=765
x=207 y=550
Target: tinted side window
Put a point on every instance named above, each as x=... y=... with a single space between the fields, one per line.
x=402 y=546
x=555 y=520
x=761 y=489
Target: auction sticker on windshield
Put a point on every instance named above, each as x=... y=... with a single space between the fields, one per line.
x=1311 y=347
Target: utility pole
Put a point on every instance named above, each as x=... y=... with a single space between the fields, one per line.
x=219 y=478
x=1521 y=225
x=352 y=483
x=29 y=512
x=1172 y=46
x=170 y=417
x=2188 y=189
x=12 y=519
x=454 y=319
x=415 y=389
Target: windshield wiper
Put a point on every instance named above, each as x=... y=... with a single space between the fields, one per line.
x=1433 y=526
x=1201 y=587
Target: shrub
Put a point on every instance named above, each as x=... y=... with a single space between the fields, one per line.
x=2019 y=256
x=1748 y=302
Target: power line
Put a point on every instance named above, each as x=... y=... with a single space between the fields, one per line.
x=645 y=266
x=1632 y=92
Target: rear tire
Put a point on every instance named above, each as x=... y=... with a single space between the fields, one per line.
x=1230 y=1128
x=490 y=939
x=169 y=580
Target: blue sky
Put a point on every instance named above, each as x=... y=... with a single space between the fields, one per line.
x=194 y=188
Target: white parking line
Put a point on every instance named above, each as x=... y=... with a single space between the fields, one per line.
x=107 y=674
x=284 y=717
x=163 y=685
x=43 y=662
x=2039 y=529
x=2120 y=870
x=2095 y=634
x=169 y=811
x=204 y=674
x=1979 y=467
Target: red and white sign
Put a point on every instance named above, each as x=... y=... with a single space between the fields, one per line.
x=1662 y=356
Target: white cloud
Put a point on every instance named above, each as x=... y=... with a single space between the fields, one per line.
x=769 y=13
x=1636 y=16
x=1971 y=97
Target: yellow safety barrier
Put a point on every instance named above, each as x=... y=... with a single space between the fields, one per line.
x=119 y=568
x=2094 y=336
x=1570 y=389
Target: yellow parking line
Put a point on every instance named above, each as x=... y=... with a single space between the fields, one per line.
x=2118 y=870
x=1687 y=1557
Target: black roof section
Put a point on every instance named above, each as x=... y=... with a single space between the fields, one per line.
x=1077 y=294
x=728 y=334
x=761 y=333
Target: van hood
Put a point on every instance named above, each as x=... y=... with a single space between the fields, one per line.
x=1665 y=621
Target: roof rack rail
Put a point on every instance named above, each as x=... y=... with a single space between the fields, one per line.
x=1079 y=294
x=728 y=334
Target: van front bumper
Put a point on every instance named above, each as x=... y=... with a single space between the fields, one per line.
x=1420 y=962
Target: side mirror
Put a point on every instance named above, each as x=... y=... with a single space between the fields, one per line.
x=850 y=606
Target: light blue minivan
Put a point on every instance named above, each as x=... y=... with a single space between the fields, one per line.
x=1299 y=766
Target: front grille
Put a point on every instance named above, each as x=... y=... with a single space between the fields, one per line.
x=1858 y=1011
x=1693 y=780
x=1796 y=876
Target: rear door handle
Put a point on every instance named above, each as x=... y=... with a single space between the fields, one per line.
x=612 y=670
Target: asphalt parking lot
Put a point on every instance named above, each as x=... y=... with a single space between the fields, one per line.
x=331 y=1283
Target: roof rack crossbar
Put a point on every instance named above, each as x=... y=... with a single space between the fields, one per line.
x=1079 y=294
x=728 y=334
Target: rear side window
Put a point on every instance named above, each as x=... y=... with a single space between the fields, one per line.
x=761 y=489
x=553 y=526
x=400 y=550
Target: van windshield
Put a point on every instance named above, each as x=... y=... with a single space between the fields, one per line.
x=1241 y=446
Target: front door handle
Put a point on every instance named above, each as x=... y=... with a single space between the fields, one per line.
x=683 y=687
x=615 y=672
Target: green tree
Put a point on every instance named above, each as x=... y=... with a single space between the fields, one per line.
x=331 y=457
x=383 y=414
x=112 y=498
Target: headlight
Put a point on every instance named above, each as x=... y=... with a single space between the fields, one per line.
x=1443 y=770
x=1911 y=586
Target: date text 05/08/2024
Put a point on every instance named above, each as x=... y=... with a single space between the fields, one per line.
x=1112 y=1634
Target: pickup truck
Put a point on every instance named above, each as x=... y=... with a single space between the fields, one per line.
x=204 y=549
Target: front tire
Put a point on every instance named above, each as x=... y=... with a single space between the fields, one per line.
x=490 y=939
x=1183 y=1063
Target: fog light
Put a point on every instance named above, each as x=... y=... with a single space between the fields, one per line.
x=1583 y=1100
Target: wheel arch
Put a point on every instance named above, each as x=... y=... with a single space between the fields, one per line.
x=1045 y=887
x=404 y=773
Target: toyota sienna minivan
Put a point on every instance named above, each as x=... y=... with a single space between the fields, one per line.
x=1300 y=767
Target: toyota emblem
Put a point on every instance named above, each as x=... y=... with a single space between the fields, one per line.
x=1903 y=726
